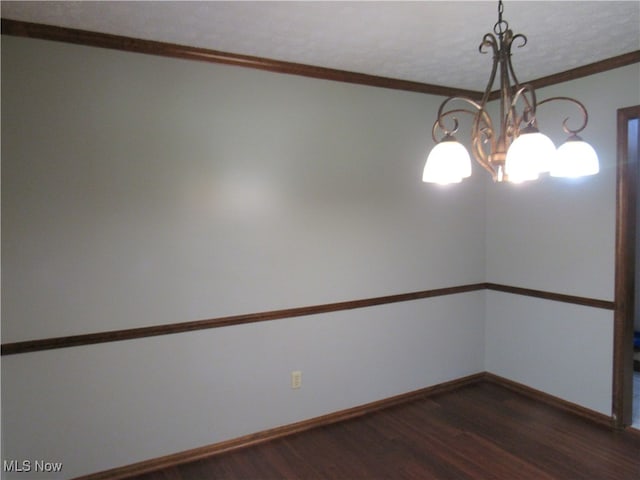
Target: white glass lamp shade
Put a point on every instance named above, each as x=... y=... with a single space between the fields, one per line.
x=575 y=158
x=529 y=155
x=448 y=162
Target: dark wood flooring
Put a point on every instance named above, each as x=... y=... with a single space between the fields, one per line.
x=480 y=431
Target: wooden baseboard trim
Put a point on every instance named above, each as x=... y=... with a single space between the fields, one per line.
x=552 y=400
x=147 y=466
x=542 y=397
x=172 y=460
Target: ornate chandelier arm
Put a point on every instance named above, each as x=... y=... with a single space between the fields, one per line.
x=512 y=121
x=480 y=136
x=489 y=40
x=439 y=123
x=482 y=128
x=528 y=116
x=581 y=107
x=516 y=83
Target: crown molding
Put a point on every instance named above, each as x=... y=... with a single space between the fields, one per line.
x=129 y=44
x=117 y=42
x=580 y=72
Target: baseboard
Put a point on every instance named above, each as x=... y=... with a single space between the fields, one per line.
x=543 y=397
x=187 y=456
x=128 y=471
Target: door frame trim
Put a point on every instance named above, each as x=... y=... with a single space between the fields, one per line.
x=625 y=254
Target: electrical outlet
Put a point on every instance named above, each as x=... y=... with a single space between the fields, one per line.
x=296 y=379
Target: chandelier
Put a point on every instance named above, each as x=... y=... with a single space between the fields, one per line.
x=517 y=152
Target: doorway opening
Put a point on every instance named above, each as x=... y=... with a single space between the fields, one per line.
x=633 y=129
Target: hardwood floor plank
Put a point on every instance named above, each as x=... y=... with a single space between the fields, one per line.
x=480 y=431
x=563 y=444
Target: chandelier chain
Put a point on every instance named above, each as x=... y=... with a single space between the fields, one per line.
x=501 y=25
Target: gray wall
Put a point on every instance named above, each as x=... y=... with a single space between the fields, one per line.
x=559 y=235
x=140 y=190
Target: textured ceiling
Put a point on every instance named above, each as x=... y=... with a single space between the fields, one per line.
x=429 y=42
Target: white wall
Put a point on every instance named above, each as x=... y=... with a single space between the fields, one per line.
x=108 y=405
x=558 y=235
x=555 y=347
x=139 y=190
x=187 y=190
